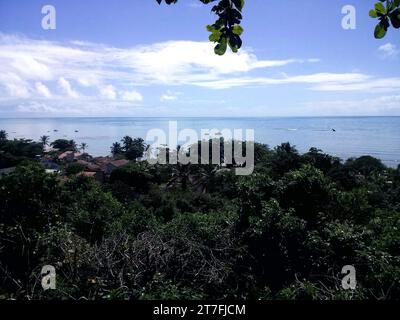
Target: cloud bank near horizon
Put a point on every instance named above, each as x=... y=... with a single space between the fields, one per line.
x=81 y=78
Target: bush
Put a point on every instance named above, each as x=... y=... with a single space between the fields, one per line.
x=74 y=168
x=187 y=232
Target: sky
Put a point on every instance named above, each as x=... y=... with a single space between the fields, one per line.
x=136 y=58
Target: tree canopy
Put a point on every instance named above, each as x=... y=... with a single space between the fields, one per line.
x=201 y=232
x=64 y=145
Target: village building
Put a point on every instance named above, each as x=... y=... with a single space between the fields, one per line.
x=113 y=165
x=108 y=165
x=70 y=156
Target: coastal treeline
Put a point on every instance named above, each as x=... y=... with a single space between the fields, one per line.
x=200 y=232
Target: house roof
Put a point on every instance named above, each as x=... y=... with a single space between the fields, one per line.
x=89 y=165
x=68 y=154
x=83 y=162
x=119 y=163
x=102 y=160
x=87 y=174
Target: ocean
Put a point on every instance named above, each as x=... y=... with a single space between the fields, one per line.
x=344 y=137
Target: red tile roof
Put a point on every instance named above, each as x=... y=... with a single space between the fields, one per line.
x=69 y=153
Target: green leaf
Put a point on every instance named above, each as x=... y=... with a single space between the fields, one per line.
x=380 y=31
x=395 y=18
x=239 y=4
x=373 y=14
x=380 y=8
x=215 y=36
x=220 y=48
x=238 y=30
x=235 y=43
x=211 y=28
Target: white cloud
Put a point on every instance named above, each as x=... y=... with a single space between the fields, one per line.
x=167 y=97
x=17 y=91
x=371 y=85
x=168 y=63
x=98 y=75
x=65 y=86
x=187 y=62
x=35 y=107
x=372 y=106
x=88 y=80
x=42 y=90
x=133 y=96
x=14 y=85
x=30 y=68
x=319 y=80
x=170 y=96
x=75 y=107
x=388 y=50
x=88 y=64
x=108 y=92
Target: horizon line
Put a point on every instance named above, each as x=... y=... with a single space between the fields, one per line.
x=199 y=117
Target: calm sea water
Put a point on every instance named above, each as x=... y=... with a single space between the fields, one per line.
x=354 y=136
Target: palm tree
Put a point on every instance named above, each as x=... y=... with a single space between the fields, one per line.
x=44 y=140
x=127 y=142
x=64 y=145
x=136 y=149
x=3 y=135
x=206 y=177
x=83 y=146
x=181 y=176
x=116 y=149
x=73 y=144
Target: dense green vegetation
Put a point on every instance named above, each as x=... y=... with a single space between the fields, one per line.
x=197 y=232
x=130 y=149
x=13 y=152
x=64 y=145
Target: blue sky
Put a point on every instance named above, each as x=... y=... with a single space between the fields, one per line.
x=135 y=58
